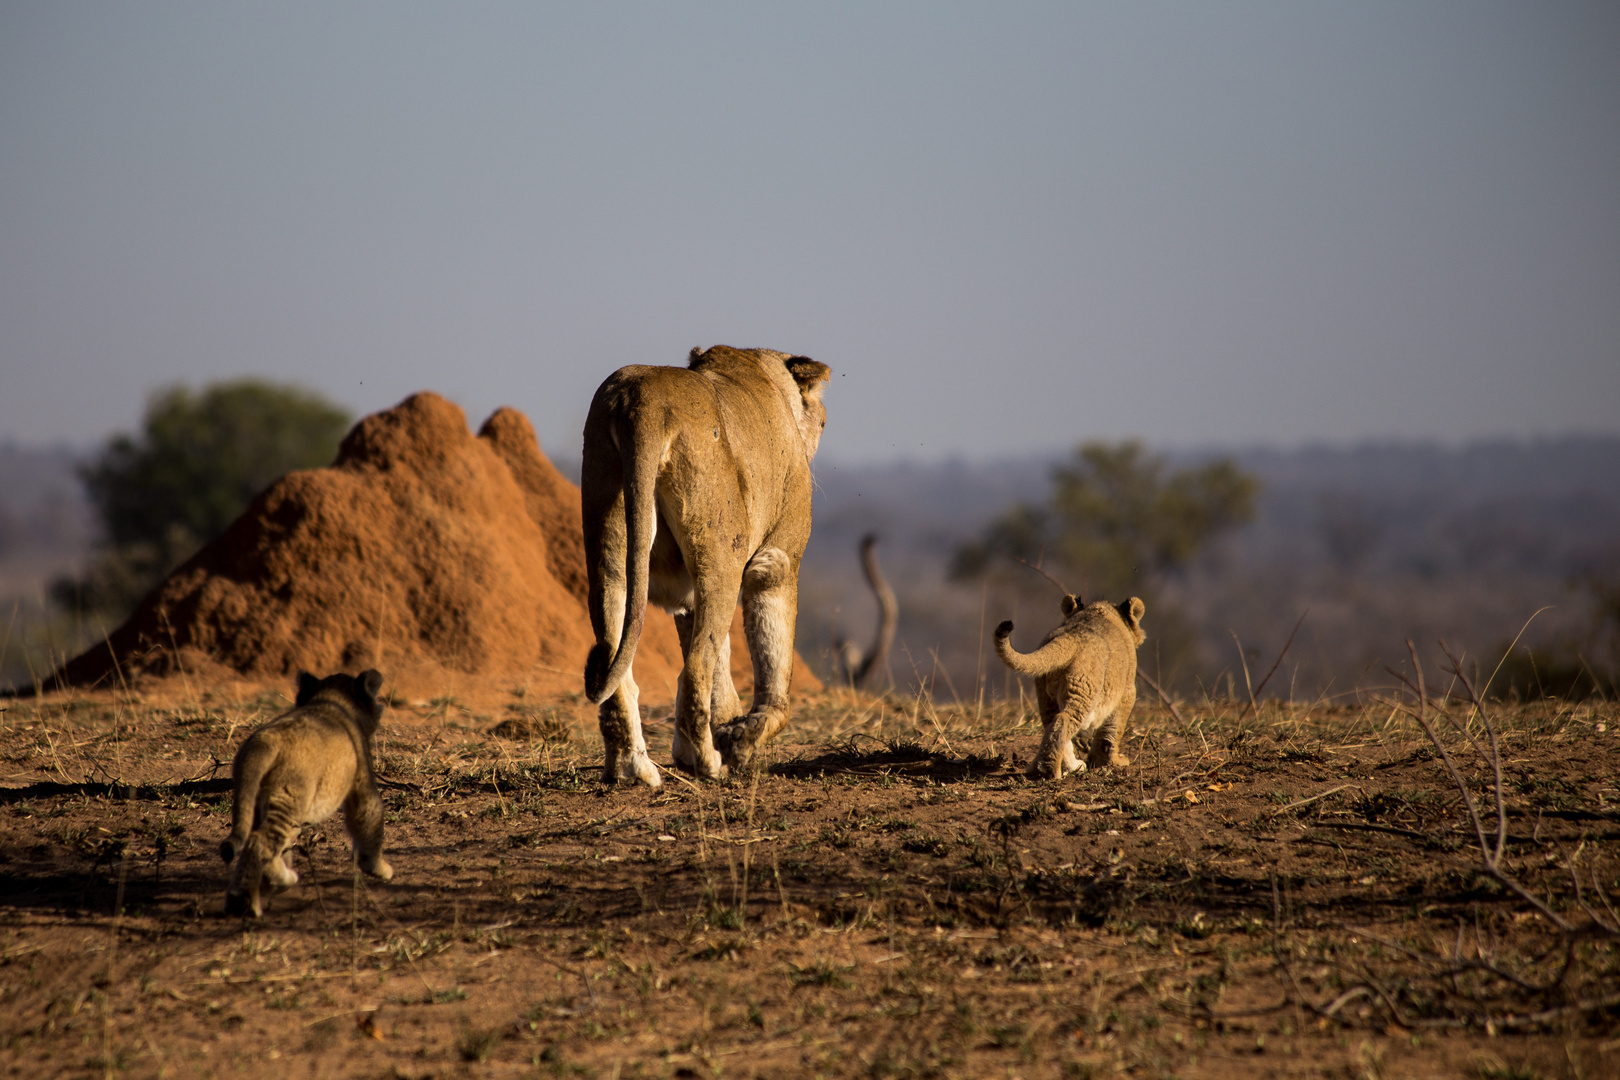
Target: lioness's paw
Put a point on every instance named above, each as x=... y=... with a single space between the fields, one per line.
x=681 y=751
x=641 y=768
x=735 y=747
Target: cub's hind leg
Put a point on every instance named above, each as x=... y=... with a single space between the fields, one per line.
x=363 y=817
x=263 y=856
x=242 y=894
x=1055 y=756
x=1110 y=734
x=279 y=872
x=1071 y=760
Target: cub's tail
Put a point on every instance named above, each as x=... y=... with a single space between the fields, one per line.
x=1043 y=661
x=252 y=762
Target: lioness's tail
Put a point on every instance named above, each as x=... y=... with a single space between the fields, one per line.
x=602 y=674
x=1046 y=659
x=252 y=762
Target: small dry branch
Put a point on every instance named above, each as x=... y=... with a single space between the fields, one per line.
x=1257 y=690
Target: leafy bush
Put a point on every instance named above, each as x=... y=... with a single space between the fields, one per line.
x=199 y=460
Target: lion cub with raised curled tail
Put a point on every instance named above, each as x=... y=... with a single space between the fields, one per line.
x=297 y=770
x=1085 y=682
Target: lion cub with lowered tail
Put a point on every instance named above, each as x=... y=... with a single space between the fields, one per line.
x=297 y=770
x=1085 y=682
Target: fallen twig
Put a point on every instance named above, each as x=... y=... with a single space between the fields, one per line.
x=1313 y=798
x=1366 y=826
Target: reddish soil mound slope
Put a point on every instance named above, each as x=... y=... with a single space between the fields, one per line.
x=453 y=563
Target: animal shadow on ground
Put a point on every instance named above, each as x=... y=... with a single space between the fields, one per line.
x=893 y=757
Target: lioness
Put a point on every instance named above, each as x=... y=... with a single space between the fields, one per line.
x=696 y=486
x=297 y=770
x=1085 y=682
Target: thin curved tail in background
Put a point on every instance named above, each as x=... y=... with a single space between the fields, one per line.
x=888 y=616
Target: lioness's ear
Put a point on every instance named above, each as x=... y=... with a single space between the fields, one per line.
x=809 y=374
x=307 y=685
x=1071 y=604
x=370 y=681
x=1133 y=610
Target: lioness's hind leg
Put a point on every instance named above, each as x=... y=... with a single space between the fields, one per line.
x=363 y=816
x=622 y=739
x=770 y=603
x=725 y=706
x=682 y=749
x=710 y=625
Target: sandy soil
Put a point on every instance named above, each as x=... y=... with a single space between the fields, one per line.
x=891 y=898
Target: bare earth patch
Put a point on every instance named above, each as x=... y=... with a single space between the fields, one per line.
x=1299 y=893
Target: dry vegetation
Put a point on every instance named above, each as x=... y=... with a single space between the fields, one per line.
x=1293 y=890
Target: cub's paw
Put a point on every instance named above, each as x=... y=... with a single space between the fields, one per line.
x=1108 y=759
x=278 y=873
x=1044 y=770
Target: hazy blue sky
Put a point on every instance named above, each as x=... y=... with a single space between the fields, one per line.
x=1007 y=227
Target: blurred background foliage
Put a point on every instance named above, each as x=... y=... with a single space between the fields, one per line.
x=1116 y=523
x=1380 y=542
x=199 y=459
x=1117 y=520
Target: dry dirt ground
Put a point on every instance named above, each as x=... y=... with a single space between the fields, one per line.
x=1295 y=893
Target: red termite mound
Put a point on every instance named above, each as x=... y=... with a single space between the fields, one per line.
x=453 y=563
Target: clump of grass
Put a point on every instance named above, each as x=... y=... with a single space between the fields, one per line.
x=475 y=1044
x=821 y=973
x=546 y=727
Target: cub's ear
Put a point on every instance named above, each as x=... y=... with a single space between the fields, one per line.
x=1072 y=604
x=1132 y=610
x=307 y=685
x=809 y=374
x=370 y=681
